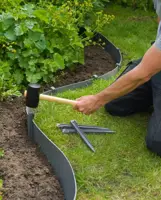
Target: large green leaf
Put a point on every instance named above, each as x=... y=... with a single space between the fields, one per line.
x=30 y=24
x=6 y=23
x=59 y=60
x=33 y=77
x=41 y=44
x=29 y=8
x=23 y=62
x=18 y=76
x=10 y=34
x=27 y=53
x=34 y=36
x=20 y=29
x=28 y=42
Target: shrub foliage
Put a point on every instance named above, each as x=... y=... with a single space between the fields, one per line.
x=36 y=41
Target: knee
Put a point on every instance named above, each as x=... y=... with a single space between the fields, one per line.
x=117 y=109
x=112 y=109
x=154 y=146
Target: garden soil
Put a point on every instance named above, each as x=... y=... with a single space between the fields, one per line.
x=25 y=171
x=97 y=62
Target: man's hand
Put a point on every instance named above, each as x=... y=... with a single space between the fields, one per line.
x=88 y=104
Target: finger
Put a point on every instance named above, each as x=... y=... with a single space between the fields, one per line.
x=89 y=112
x=86 y=112
x=76 y=106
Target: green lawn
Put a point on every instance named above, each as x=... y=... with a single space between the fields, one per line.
x=131 y=31
x=121 y=168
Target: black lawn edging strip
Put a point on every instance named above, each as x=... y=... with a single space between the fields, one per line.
x=60 y=163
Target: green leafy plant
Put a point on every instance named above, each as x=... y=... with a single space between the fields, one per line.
x=7 y=85
x=38 y=41
x=7 y=5
x=97 y=4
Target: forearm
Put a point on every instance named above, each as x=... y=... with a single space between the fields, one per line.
x=150 y=65
x=122 y=86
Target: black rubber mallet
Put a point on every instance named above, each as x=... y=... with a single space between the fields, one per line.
x=32 y=97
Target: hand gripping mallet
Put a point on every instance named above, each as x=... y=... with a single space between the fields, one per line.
x=32 y=97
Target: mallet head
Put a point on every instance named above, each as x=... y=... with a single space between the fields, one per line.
x=32 y=96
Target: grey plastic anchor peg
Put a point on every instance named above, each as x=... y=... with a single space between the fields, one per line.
x=80 y=132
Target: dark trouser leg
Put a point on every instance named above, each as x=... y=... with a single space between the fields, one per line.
x=138 y=100
x=153 y=138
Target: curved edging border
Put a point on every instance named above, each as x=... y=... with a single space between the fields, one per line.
x=55 y=156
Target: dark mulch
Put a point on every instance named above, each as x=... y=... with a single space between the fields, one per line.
x=25 y=171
